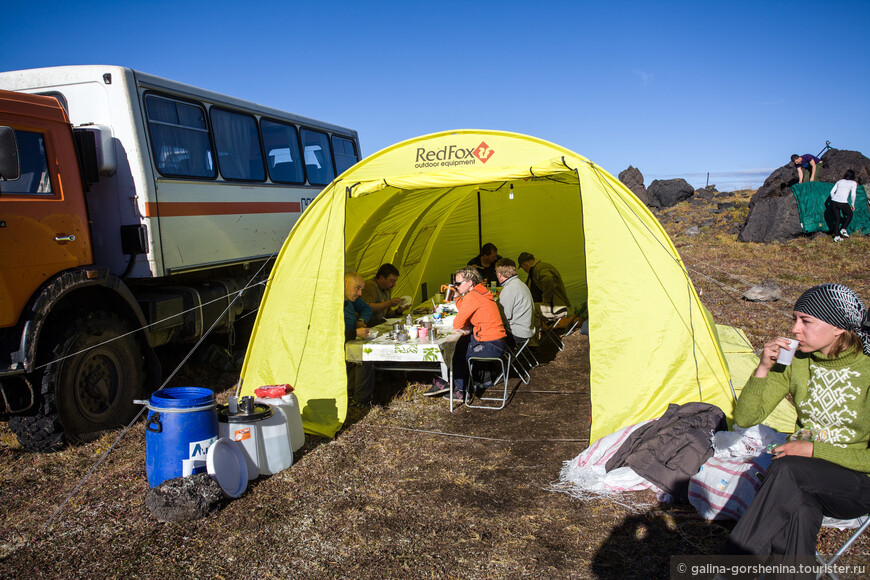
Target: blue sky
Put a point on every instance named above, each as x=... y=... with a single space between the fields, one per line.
x=677 y=89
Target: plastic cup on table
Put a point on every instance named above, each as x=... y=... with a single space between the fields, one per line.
x=786 y=355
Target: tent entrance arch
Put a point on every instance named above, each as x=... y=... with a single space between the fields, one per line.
x=415 y=204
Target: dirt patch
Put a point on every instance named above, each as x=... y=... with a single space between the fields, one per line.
x=409 y=490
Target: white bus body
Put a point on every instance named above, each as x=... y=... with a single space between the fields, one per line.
x=191 y=223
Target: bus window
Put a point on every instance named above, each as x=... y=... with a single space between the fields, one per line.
x=179 y=138
x=282 y=152
x=238 y=146
x=318 y=161
x=345 y=156
x=33 y=166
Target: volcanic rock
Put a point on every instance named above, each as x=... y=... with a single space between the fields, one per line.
x=706 y=193
x=767 y=291
x=669 y=192
x=632 y=178
x=185 y=498
x=772 y=218
x=773 y=213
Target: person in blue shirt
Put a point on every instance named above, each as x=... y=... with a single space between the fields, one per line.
x=357 y=312
x=805 y=161
x=360 y=376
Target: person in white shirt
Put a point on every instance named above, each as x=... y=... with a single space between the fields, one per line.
x=515 y=303
x=843 y=204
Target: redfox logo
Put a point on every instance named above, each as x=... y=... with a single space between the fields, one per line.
x=483 y=152
x=444 y=154
x=452 y=155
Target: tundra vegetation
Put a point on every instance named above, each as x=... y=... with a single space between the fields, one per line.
x=408 y=490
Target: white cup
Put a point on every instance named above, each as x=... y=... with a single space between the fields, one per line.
x=786 y=355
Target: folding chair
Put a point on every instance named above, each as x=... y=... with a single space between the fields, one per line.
x=522 y=360
x=550 y=329
x=575 y=324
x=504 y=363
x=842 y=550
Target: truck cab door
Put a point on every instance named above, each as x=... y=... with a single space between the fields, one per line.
x=43 y=216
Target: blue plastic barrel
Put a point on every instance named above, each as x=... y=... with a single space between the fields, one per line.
x=182 y=423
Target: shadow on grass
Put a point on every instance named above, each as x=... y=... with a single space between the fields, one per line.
x=642 y=545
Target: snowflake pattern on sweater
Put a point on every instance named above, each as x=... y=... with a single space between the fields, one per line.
x=827 y=406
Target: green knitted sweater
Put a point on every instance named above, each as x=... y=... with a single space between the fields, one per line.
x=832 y=394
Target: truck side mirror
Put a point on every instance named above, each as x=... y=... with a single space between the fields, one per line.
x=9 y=169
x=97 y=148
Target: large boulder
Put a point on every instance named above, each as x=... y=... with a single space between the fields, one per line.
x=773 y=213
x=770 y=219
x=632 y=178
x=669 y=192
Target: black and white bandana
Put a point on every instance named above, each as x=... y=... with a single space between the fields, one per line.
x=838 y=306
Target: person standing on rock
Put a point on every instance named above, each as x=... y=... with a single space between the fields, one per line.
x=805 y=161
x=843 y=191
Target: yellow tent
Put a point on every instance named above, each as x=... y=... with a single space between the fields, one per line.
x=426 y=205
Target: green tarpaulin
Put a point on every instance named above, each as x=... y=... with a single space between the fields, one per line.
x=813 y=201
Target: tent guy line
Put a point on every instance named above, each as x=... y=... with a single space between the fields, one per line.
x=156 y=322
x=785 y=313
x=612 y=193
x=142 y=410
x=445 y=434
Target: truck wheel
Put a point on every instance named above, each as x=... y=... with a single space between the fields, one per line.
x=90 y=391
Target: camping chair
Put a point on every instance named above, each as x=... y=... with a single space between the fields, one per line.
x=842 y=549
x=575 y=323
x=520 y=361
x=550 y=328
x=504 y=363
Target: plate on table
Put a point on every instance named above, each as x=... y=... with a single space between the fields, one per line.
x=423 y=310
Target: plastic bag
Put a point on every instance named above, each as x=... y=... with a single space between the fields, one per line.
x=273 y=391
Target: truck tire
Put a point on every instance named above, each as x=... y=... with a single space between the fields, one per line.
x=90 y=391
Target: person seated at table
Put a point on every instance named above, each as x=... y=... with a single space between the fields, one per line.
x=377 y=294
x=479 y=320
x=485 y=262
x=360 y=376
x=515 y=303
x=546 y=285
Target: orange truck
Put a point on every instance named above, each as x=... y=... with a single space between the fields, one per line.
x=134 y=211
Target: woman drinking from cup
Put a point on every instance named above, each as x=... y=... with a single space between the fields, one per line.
x=829 y=381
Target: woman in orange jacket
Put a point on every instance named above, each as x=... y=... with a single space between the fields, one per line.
x=479 y=318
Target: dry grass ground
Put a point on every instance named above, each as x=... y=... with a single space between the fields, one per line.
x=409 y=490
